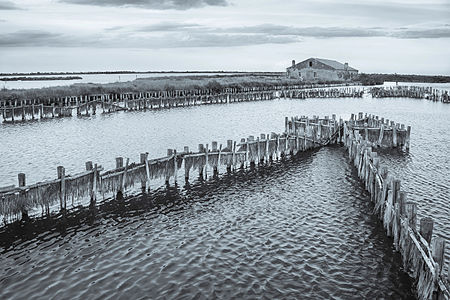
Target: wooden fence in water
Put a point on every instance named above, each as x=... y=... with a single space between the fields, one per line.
x=23 y=110
x=300 y=134
x=415 y=92
x=423 y=258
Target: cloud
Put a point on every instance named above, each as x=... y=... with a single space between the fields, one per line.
x=423 y=34
x=320 y=32
x=38 y=38
x=184 y=35
x=7 y=5
x=170 y=26
x=152 y=4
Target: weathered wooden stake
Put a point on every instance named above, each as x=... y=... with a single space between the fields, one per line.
x=438 y=253
x=411 y=214
x=62 y=199
x=426 y=228
x=21 y=178
x=408 y=138
x=169 y=154
x=175 y=173
x=119 y=162
x=201 y=149
x=186 y=170
x=143 y=157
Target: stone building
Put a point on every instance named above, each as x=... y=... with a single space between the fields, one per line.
x=319 y=69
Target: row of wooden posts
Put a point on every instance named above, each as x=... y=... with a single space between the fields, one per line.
x=422 y=256
x=301 y=134
x=415 y=92
x=324 y=93
x=86 y=105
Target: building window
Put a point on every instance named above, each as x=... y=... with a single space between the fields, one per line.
x=315 y=74
x=310 y=63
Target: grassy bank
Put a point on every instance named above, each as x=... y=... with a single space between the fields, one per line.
x=169 y=83
x=373 y=79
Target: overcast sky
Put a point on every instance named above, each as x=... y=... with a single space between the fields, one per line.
x=404 y=36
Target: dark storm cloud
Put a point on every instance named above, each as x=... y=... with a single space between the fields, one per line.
x=152 y=4
x=7 y=5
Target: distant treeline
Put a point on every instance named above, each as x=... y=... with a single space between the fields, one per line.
x=133 y=72
x=40 y=78
x=376 y=79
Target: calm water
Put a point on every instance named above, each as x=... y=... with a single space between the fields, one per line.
x=86 y=78
x=299 y=230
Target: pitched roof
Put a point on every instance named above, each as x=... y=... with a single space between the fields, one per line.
x=334 y=64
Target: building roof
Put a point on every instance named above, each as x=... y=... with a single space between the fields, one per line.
x=331 y=63
x=334 y=64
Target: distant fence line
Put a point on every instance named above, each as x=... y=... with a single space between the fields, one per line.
x=21 y=110
x=417 y=92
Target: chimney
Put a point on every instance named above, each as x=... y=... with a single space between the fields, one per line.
x=346 y=66
x=293 y=62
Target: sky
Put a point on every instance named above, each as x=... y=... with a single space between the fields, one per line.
x=400 y=36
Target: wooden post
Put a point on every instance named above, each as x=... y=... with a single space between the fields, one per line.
x=186 y=170
x=201 y=149
x=218 y=160
x=62 y=176
x=89 y=165
x=426 y=228
x=147 y=171
x=143 y=158
x=408 y=138
x=411 y=214
x=394 y=135
x=169 y=154
x=438 y=253
x=175 y=173
x=21 y=178
x=206 y=159
x=230 y=149
x=119 y=162
x=124 y=177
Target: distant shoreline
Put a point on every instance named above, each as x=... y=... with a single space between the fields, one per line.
x=134 y=72
x=41 y=78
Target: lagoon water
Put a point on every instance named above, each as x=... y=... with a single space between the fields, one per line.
x=296 y=229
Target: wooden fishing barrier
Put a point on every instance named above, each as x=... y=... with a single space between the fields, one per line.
x=416 y=92
x=301 y=134
x=422 y=258
x=85 y=105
